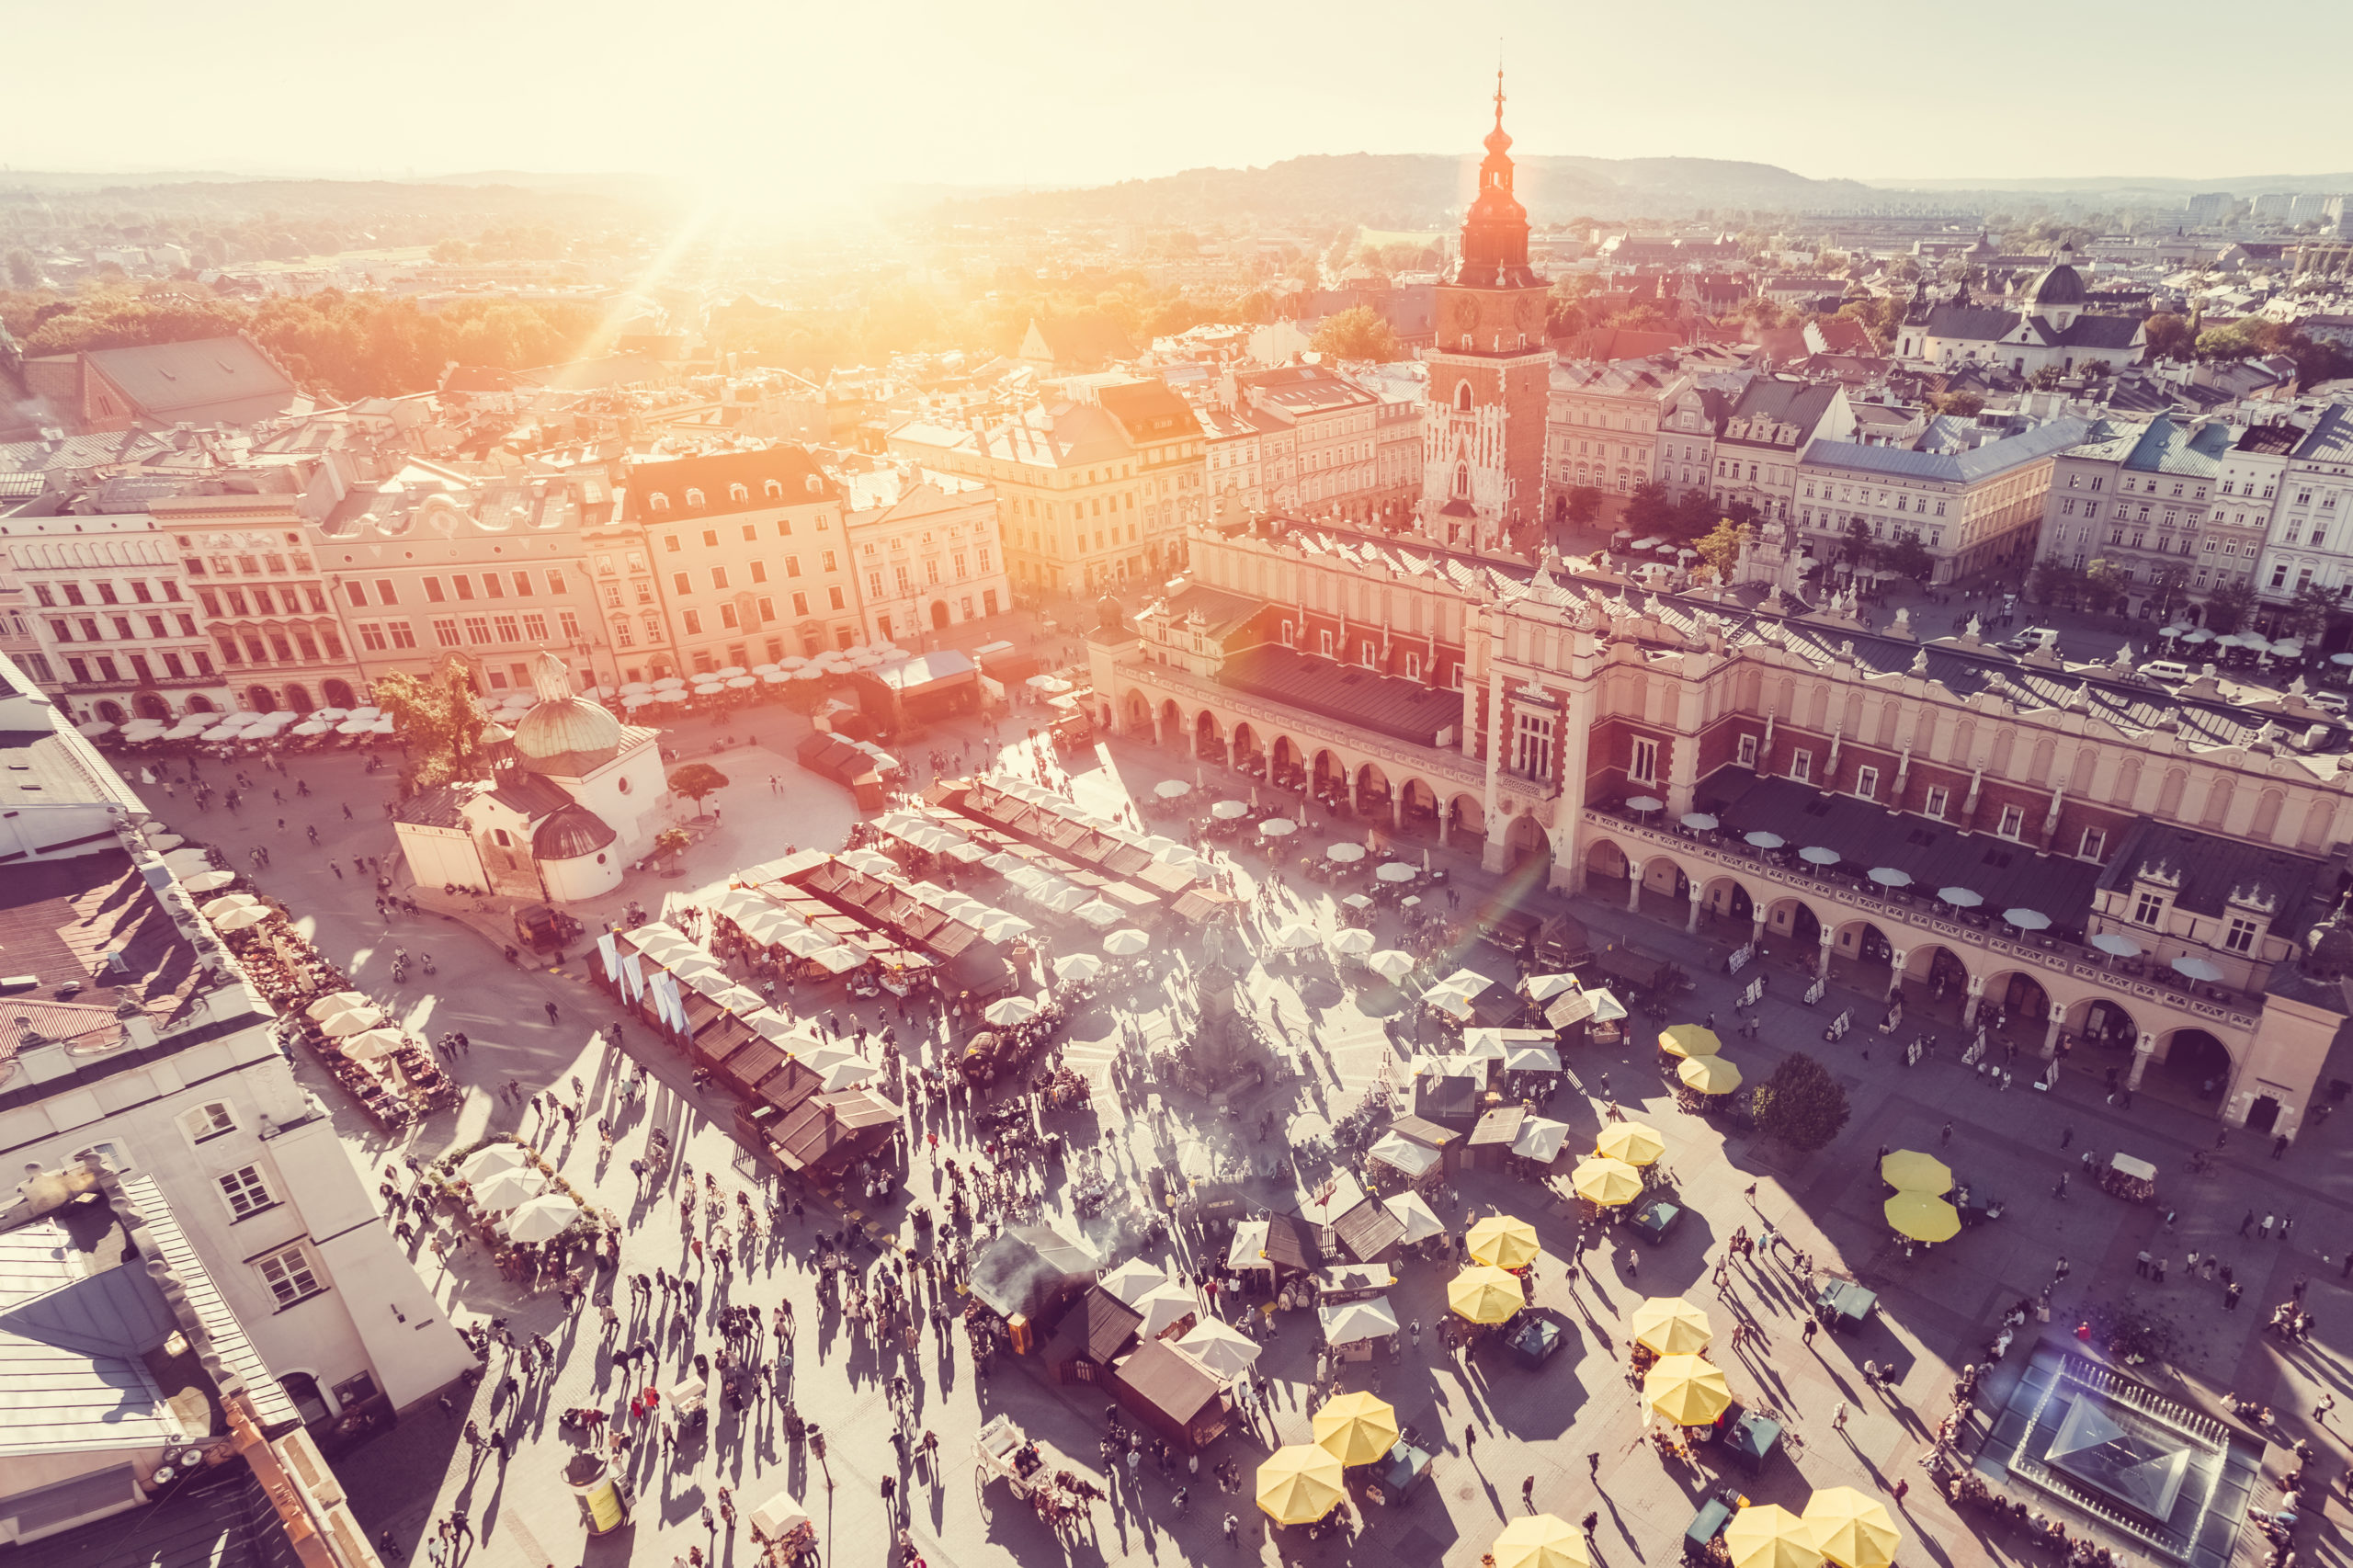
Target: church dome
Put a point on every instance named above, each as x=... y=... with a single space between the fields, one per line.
x=568 y=724
x=570 y=831
x=2060 y=284
x=563 y=723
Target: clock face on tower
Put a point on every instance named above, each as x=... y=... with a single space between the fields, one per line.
x=1464 y=312
x=1529 y=315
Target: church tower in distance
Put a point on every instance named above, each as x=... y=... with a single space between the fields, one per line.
x=1490 y=374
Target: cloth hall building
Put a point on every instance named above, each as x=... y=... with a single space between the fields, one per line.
x=2050 y=852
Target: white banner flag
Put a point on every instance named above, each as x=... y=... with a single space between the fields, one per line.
x=612 y=951
x=666 y=1001
x=632 y=977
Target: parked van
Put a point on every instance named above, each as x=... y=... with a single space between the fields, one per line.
x=2026 y=641
x=2166 y=672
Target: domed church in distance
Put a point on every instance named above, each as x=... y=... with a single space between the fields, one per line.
x=573 y=796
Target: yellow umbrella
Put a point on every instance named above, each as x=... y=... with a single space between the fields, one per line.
x=1688 y=1039
x=1685 y=1389
x=1484 y=1295
x=1923 y=1216
x=1356 y=1428
x=1503 y=1242
x=1672 y=1326
x=1710 y=1075
x=1769 y=1536
x=1908 y=1170
x=1631 y=1141
x=1605 y=1181
x=1539 y=1540
x=1851 y=1528
x=1299 y=1484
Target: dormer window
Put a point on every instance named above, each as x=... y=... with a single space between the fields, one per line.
x=694 y=498
x=658 y=502
x=774 y=490
x=739 y=493
x=2148 y=907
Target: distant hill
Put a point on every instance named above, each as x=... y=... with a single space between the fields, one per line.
x=1416 y=189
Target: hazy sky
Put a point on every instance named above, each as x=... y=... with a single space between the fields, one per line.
x=789 y=98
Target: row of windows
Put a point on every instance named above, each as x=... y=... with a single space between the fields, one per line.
x=105 y=593
x=283 y=647
x=683 y=583
x=268 y=563
x=773 y=490
x=495 y=585
x=691 y=620
x=193 y=664
x=289 y=1273
x=125 y=628
x=290 y=599
x=480 y=630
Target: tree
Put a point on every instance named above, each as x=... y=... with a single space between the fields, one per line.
x=1860 y=549
x=1720 y=549
x=1585 y=505
x=1801 y=1104
x=695 y=781
x=672 y=841
x=2106 y=586
x=2054 y=582
x=23 y=272
x=2228 y=606
x=1358 y=334
x=2170 y=337
x=1906 y=557
x=435 y=717
x=1963 y=402
x=2309 y=611
x=1648 y=510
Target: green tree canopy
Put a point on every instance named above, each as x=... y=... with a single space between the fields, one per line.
x=1906 y=557
x=1585 y=505
x=1860 y=549
x=1358 y=334
x=1801 y=1104
x=1721 y=548
x=435 y=715
x=2228 y=606
x=697 y=779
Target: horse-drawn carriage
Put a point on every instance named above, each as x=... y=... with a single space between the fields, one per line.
x=1059 y=1489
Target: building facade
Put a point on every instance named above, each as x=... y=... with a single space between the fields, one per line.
x=113 y=623
x=2139 y=496
x=2310 y=544
x=1766 y=431
x=749 y=552
x=1605 y=426
x=1533 y=707
x=249 y=562
x=925 y=553
x=1976 y=511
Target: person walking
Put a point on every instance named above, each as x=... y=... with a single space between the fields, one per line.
x=1470 y=1438
x=1838 y=1418
x=1527 y=1494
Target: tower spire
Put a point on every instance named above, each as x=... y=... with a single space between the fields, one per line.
x=1499 y=98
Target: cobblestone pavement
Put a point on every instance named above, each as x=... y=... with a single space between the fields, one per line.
x=1574 y=1427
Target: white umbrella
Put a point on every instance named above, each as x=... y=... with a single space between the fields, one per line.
x=1413 y=1210
x=791 y=662
x=1352 y=943
x=1814 y=855
x=2200 y=635
x=312 y=727
x=1172 y=789
x=2116 y=946
x=1099 y=913
x=1540 y=1138
x=337 y=1002
x=1544 y=987
x=1699 y=821
x=672 y=695
x=1645 y=803
x=1126 y=944
x=349 y=1020
x=355 y=726
x=1889 y=877
x=1225 y=1351
x=637 y=700
x=209 y=881
x=239 y=919
x=492 y=1158
x=94 y=727
x=167 y=841
x=636 y=687
x=1227 y=811
x=367 y=710
x=775 y=677
x=1345 y=853
x=709 y=689
x=1397 y=872
x=1006 y=1011
x=507 y=1189
x=1165 y=1307
x=2027 y=919
x=730 y=672
x=1391 y=963
x=1134 y=1280
x=2196 y=969
x=543 y=1219
x=371 y=1045
x=1764 y=840
x=670 y=683
x=738 y=683
x=1078 y=966
x=1960 y=898
x=1296 y=936
x=1278 y=827
x=185 y=861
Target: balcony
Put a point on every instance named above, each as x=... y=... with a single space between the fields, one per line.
x=1981 y=930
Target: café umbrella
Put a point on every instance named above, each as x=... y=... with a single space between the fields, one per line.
x=1126 y=944
x=1484 y=1294
x=1539 y=1540
x=1225 y=1351
x=1296 y=936
x=1344 y=852
x=1391 y=963
x=1352 y=943
x=543 y=1219
x=353 y=1020
x=1688 y=1039
x=1768 y=1536
x=1923 y=1216
x=1396 y=871
x=1357 y=1428
x=1699 y=821
x=1687 y=1390
x=1008 y=1011
x=1078 y=966
x=238 y=919
x=334 y=1002
x=2116 y=944
x=1300 y=1483
x=1608 y=1182
x=1764 y=840
x=1889 y=877
x=492 y=1158
x=1709 y=1074
x=1503 y=1242
x=1960 y=898
x=1909 y=1170
x=1816 y=855
x=1172 y=789
x=2196 y=969
x=1671 y=1326
x=209 y=881
x=1278 y=827
x=507 y=1189
x=371 y=1045
x=1646 y=804
x=1228 y=811
x=2027 y=919
x=1852 y=1529
x=1632 y=1143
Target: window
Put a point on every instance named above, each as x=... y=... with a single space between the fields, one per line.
x=208 y=1122
x=505 y=629
x=555 y=580
x=384 y=594
x=2240 y=938
x=1532 y=747
x=372 y=636
x=2148 y=908
x=759 y=571
x=2095 y=842
x=792 y=566
x=1938 y=798
x=1747 y=751
x=800 y=604
x=491 y=588
x=433 y=594
x=445 y=632
x=477 y=628
x=358 y=593
x=1644 y=768
x=694 y=623
x=246 y=1193
x=1802 y=766
x=404 y=634
x=1867 y=783
x=834 y=597
x=288 y=1275
x=830 y=566
x=2013 y=822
